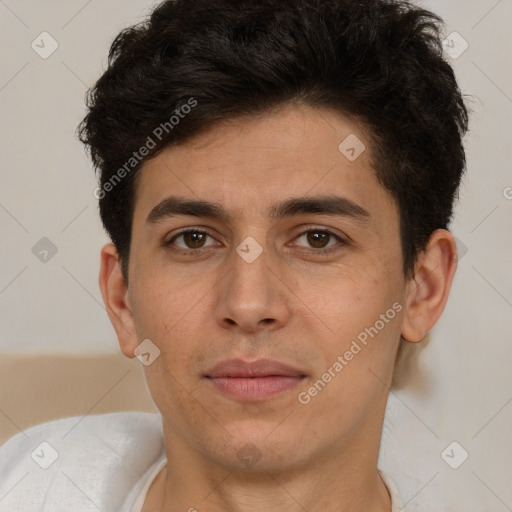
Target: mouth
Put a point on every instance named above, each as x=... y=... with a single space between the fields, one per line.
x=253 y=381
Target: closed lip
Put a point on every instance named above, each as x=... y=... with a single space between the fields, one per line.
x=238 y=368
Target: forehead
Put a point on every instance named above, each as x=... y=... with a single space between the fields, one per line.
x=247 y=166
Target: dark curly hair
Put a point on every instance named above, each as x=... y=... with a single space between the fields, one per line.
x=380 y=61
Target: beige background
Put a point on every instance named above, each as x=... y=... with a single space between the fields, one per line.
x=58 y=352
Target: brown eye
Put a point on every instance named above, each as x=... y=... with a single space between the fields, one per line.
x=319 y=241
x=194 y=239
x=190 y=239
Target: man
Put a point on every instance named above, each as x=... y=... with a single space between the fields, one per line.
x=277 y=179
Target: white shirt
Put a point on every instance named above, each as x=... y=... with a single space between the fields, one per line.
x=104 y=462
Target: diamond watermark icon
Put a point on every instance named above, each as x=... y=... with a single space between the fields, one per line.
x=44 y=45
x=249 y=455
x=44 y=250
x=462 y=248
x=351 y=147
x=455 y=45
x=454 y=455
x=147 y=352
x=249 y=249
x=45 y=455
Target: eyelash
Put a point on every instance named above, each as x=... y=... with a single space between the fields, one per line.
x=200 y=251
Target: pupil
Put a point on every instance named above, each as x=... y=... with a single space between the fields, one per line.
x=194 y=235
x=315 y=237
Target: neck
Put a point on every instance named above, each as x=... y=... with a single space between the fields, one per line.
x=269 y=491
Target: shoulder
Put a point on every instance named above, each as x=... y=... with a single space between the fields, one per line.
x=81 y=462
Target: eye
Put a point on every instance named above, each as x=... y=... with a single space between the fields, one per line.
x=319 y=240
x=192 y=240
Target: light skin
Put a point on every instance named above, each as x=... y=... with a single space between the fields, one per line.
x=291 y=304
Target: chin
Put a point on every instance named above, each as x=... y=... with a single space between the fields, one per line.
x=262 y=451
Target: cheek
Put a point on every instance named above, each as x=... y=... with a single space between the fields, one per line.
x=358 y=359
x=173 y=318
x=163 y=301
x=346 y=301
x=362 y=314
x=171 y=315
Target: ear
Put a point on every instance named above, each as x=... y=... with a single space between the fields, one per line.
x=117 y=301
x=428 y=290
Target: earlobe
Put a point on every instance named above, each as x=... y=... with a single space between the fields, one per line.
x=429 y=289
x=115 y=296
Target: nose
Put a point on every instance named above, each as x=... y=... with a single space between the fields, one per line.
x=252 y=296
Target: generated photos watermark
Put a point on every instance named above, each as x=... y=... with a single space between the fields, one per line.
x=305 y=397
x=151 y=142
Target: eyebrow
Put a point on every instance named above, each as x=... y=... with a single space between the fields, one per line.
x=324 y=205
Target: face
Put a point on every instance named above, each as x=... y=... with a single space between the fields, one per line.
x=299 y=263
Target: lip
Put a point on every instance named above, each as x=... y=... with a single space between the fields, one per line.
x=258 y=368
x=253 y=381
